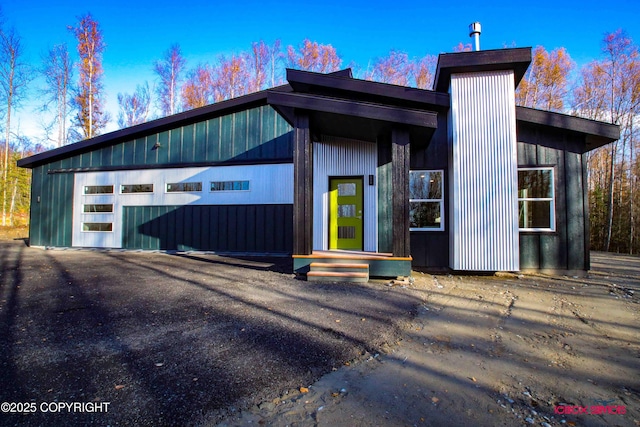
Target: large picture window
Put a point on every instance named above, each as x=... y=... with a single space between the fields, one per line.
x=536 y=204
x=426 y=203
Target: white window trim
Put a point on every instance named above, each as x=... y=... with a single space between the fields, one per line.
x=551 y=199
x=440 y=200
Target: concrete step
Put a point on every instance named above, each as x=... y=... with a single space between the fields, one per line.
x=338 y=272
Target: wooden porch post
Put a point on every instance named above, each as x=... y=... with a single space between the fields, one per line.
x=400 y=164
x=302 y=186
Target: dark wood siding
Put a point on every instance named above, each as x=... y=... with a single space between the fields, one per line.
x=303 y=186
x=236 y=228
x=564 y=249
x=430 y=249
x=385 y=196
x=400 y=161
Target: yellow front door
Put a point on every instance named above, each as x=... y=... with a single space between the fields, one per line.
x=346 y=213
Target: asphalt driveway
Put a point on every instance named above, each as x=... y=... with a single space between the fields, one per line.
x=172 y=339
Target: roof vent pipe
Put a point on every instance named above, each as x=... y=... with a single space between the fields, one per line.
x=474 y=31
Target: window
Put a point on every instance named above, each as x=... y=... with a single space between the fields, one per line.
x=98 y=189
x=230 y=186
x=426 y=203
x=184 y=187
x=536 y=205
x=97 y=208
x=136 y=188
x=97 y=226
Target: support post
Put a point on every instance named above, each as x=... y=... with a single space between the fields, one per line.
x=303 y=186
x=400 y=164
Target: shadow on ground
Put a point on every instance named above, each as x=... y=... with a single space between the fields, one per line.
x=173 y=339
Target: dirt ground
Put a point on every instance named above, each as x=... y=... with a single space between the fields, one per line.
x=195 y=339
x=507 y=350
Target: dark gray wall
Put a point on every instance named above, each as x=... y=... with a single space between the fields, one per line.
x=568 y=247
x=430 y=249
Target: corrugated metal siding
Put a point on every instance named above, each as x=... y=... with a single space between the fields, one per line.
x=343 y=157
x=241 y=228
x=483 y=176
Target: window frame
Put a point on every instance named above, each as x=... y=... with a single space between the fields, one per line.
x=136 y=192
x=552 y=200
x=440 y=200
x=85 y=211
x=231 y=190
x=96 y=231
x=85 y=187
x=168 y=191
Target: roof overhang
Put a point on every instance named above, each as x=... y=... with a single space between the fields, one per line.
x=353 y=119
x=341 y=84
x=517 y=60
x=596 y=133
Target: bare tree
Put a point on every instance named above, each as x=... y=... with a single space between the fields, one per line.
x=91 y=117
x=198 y=89
x=312 y=56
x=57 y=72
x=169 y=69
x=396 y=68
x=545 y=84
x=14 y=78
x=231 y=77
x=610 y=90
x=134 y=108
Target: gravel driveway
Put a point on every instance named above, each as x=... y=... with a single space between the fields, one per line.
x=183 y=339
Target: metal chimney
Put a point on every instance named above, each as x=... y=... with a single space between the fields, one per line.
x=474 y=31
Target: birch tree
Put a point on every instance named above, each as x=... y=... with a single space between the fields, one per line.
x=546 y=83
x=90 y=117
x=57 y=72
x=610 y=90
x=198 y=90
x=312 y=56
x=169 y=69
x=134 y=108
x=14 y=78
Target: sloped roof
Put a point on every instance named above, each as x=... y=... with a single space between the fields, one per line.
x=339 y=104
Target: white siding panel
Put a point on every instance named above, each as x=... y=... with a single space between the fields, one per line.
x=344 y=157
x=268 y=184
x=483 y=173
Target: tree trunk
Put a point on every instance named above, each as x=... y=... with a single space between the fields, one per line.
x=609 y=223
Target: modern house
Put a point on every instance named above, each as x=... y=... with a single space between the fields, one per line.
x=335 y=170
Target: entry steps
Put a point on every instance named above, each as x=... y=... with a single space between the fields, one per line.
x=337 y=271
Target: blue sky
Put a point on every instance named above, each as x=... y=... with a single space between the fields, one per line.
x=138 y=32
